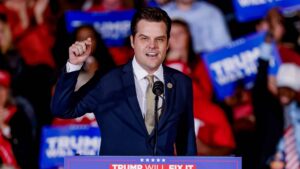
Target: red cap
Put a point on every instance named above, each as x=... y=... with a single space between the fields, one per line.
x=4 y=78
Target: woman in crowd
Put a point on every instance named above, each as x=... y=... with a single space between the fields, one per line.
x=17 y=125
x=100 y=58
x=214 y=134
x=99 y=63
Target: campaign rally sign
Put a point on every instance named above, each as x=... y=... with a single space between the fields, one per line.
x=152 y=162
x=237 y=64
x=247 y=10
x=59 y=142
x=114 y=27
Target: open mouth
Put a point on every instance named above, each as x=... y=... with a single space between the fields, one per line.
x=152 y=54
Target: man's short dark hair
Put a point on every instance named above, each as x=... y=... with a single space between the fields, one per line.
x=151 y=14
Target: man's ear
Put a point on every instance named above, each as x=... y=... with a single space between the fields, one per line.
x=131 y=41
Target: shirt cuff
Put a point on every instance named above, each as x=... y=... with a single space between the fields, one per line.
x=71 y=67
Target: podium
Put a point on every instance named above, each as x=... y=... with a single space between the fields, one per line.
x=151 y=162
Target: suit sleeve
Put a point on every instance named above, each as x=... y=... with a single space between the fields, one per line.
x=185 y=141
x=69 y=104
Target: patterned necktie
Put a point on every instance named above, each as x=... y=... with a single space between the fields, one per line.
x=290 y=149
x=149 y=117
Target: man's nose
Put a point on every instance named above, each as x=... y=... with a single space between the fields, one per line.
x=152 y=44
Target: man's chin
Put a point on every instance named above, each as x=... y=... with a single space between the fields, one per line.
x=153 y=68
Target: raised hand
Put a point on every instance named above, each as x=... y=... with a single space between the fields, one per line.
x=20 y=7
x=79 y=51
x=39 y=9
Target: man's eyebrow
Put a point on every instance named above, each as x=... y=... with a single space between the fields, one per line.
x=158 y=37
x=142 y=35
x=161 y=37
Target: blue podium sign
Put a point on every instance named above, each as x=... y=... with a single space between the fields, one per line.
x=151 y=162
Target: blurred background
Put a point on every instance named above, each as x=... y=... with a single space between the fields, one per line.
x=232 y=50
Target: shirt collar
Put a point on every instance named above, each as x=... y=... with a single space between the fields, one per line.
x=141 y=73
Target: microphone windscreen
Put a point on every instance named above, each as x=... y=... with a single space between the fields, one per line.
x=158 y=88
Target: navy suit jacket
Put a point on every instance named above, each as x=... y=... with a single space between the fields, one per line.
x=114 y=102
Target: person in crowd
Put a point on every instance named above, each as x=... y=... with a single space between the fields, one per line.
x=214 y=133
x=288 y=149
x=181 y=51
x=267 y=108
x=10 y=59
x=7 y=158
x=23 y=81
x=284 y=31
x=17 y=124
x=121 y=54
x=30 y=22
x=100 y=58
x=208 y=34
x=284 y=35
x=31 y=29
x=98 y=63
x=123 y=101
x=239 y=109
x=61 y=43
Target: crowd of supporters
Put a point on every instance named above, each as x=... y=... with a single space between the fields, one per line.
x=34 y=46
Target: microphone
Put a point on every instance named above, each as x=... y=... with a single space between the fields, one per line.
x=158 y=89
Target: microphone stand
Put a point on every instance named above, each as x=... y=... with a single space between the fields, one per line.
x=158 y=89
x=156 y=125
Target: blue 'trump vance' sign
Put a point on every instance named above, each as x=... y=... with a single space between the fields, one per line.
x=114 y=26
x=237 y=64
x=61 y=141
x=247 y=10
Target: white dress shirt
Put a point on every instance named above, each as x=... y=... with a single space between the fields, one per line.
x=141 y=83
x=71 y=67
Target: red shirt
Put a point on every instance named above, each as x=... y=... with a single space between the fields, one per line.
x=6 y=153
x=211 y=124
x=201 y=76
x=288 y=55
x=35 y=42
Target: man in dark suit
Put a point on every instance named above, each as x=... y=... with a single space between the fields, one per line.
x=120 y=100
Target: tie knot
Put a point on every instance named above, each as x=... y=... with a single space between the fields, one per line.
x=150 y=79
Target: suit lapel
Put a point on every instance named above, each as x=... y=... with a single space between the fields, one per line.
x=169 y=92
x=169 y=96
x=129 y=86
